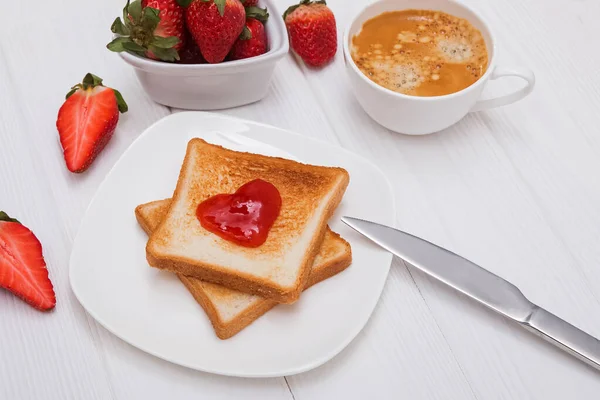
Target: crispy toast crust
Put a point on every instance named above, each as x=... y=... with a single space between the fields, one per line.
x=148 y=213
x=240 y=280
x=335 y=266
x=149 y=216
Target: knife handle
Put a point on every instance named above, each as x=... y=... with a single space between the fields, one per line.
x=565 y=336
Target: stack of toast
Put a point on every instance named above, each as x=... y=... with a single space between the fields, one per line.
x=233 y=283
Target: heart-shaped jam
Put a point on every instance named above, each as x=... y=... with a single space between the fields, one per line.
x=244 y=217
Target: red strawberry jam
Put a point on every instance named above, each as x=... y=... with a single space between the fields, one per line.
x=244 y=217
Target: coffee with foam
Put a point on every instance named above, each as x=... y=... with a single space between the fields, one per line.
x=420 y=52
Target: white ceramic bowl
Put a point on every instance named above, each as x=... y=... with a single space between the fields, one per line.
x=214 y=86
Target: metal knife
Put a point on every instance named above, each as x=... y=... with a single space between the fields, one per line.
x=483 y=286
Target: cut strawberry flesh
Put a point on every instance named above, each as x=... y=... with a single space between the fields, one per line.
x=22 y=266
x=86 y=122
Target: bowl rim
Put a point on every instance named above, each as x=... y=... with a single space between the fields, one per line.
x=273 y=54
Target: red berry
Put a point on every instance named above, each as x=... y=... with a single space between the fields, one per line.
x=215 y=25
x=253 y=46
x=87 y=120
x=312 y=30
x=22 y=266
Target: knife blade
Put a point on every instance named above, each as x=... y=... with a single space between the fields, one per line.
x=483 y=286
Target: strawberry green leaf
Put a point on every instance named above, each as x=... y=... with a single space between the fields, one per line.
x=246 y=34
x=184 y=3
x=165 y=42
x=132 y=46
x=4 y=217
x=126 y=11
x=135 y=10
x=117 y=44
x=169 y=55
x=72 y=91
x=150 y=19
x=118 y=27
x=293 y=8
x=123 y=107
x=290 y=10
x=258 y=13
x=220 y=6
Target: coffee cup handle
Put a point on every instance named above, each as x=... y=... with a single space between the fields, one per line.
x=500 y=72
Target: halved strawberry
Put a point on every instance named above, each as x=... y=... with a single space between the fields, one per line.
x=22 y=268
x=87 y=121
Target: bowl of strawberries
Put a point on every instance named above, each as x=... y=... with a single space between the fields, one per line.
x=201 y=54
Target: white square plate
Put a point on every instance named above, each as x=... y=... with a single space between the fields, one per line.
x=153 y=311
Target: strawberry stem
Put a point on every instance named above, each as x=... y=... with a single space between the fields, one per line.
x=90 y=81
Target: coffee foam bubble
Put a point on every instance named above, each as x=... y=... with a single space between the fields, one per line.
x=454 y=50
x=404 y=77
x=399 y=77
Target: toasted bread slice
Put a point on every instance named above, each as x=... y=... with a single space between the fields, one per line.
x=231 y=311
x=279 y=268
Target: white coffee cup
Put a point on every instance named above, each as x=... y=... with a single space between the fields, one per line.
x=415 y=115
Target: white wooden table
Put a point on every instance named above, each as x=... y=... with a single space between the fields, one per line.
x=515 y=189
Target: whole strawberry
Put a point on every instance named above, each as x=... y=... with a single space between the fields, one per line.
x=215 y=25
x=87 y=120
x=150 y=28
x=312 y=30
x=253 y=40
x=22 y=267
